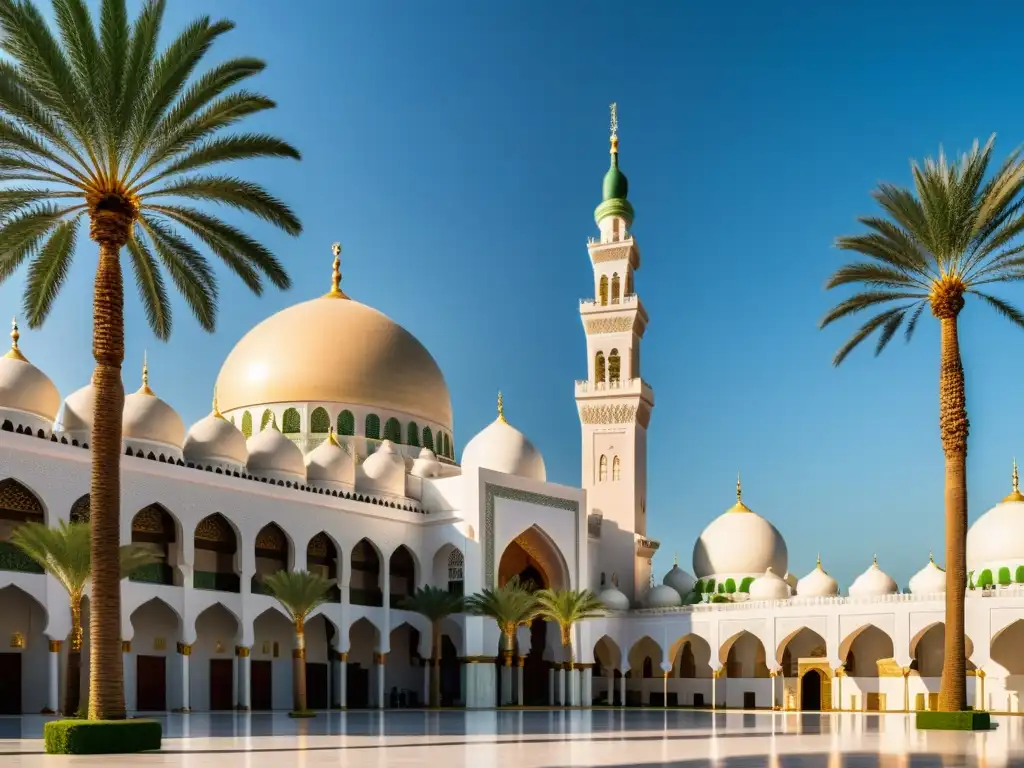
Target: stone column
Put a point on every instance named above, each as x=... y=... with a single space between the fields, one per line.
x=611 y=687
x=906 y=689
x=714 y=687
x=839 y=677
x=574 y=685
x=244 y=662
x=562 y=698
x=551 y=684
x=622 y=687
x=53 y=679
x=185 y=651
x=981 y=704
x=507 y=694
x=379 y=660
x=343 y=680
x=128 y=676
x=519 y=680
x=426 y=682
x=587 y=685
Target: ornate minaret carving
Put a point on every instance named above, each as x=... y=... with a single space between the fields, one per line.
x=614 y=402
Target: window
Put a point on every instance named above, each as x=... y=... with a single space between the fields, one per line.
x=393 y=430
x=456 y=571
x=602 y=469
x=448 y=446
x=614 y=365
x=291 y=422
x=373 y=426
x=615 y=288
x=320 y=421
x=603 y=290
x=247 y=425
x=346 y=423
x=599 y=367
x=268 y=415
x=428 y=438
x=413 y=434
x=616 y=467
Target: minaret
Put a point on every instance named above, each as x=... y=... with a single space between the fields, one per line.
x=614 y=402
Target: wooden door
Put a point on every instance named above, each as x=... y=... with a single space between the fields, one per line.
x=262 y=678
x=10 y=683
x=222 y=684
x=316 y=685
x=151 y=683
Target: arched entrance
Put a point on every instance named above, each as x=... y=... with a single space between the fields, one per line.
x=810 y=691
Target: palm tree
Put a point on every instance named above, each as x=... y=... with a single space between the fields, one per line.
x=97 y=125
x=299 y=592
x=512 y=606
x=947 y=237
x=435 y=605
x=64 y=553
x=567 y=607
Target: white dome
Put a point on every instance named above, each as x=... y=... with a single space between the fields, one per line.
x=24 y=388
x=76 y=420
x=768 y=587
x=274 y=456
x=384 y=469
x=874 y=582
x=148 y=422
x=679 y=580
x=426 y=464
x=662 y=596
x=739 y=543
x=330 y=463
x=996 y=540
x=613 y=599
x=817 y=583
x=215 y=440
x=503 y=448
x=930 y=580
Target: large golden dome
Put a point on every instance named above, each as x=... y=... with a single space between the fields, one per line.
x=334 y=350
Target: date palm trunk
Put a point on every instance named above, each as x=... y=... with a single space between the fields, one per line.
x=299 y=667
x=106 y=689
x=73 y=677
x=435 y=661
x=954 y=428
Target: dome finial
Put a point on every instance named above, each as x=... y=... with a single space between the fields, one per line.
x=931 y=558
x=144 y=389
x=501 y=408
x=216 y=410
x=14 y=353
x=675 y=559
x=818 y=566
x=1015 y=494
x=739 y=506
x=331 y=438
x=336 y=292
x=614 y=107
x=874 y=560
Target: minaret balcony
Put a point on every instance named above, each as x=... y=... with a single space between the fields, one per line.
x=629 y=301
x=637 y=386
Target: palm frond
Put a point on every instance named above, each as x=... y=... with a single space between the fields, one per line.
x=300 y=592
x=569 y=606
x=511 y=606
x=433 y=603
x=862 y=301
x=150 y=283
x=889 y=328
x=243 y=195
x=114 y=42
x=48 y=270
x=20 y=234
x=1004 y=308
x=83 y=51
x=912 y=322
x=866 y=330
x=139 y=66
x=243 y=146
x=188 y=269
x=874 y=274
x=207 y=87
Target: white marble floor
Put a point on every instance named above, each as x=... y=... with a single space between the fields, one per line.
x=543 y=739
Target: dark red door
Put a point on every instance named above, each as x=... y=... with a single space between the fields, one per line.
x=222 y=684
x=316 y=685
x=10 y=683
x=262 y=676
x=151 y=683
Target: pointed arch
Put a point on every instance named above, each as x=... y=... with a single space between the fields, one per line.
x=393 y=430
x=18 y=504
x=599 y=368
x=266 y=419
x=644 y=657
x=615 y=288
x=319 y=421
x=371 y=427
x=324 y=557
x=154 y=526
x=448 y=446
x=413 y=434
x=801 y=643
x=402 y=571
x=744 y=655
x=927 y=650
x=533 y=550
x=80 y=511
x=1006 y=648
x=602 y=291
x=216 y=545
x=428 y=439
x=346 y=423
x=365 y=585
x=691 y=657
x=616 y=469
x=291 y=422
x=602 y=469
x=614 y=366
x=862 y=649
x=247 y=424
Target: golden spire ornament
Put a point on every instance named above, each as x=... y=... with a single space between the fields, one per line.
x=501 y=408
x=336 y=292
x=216 y=410
x=739 y=506
x=331 y=438
x=14 y=353
x=1015 y=494
x=144 y=389
x=614 y=108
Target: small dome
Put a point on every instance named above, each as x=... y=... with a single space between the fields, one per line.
x=503 y=448
x=384 y=469
x=214 y=440
x=679 y=580
x=147 y=421
x=769 y=587
x=615 y=185
x=662 y=596
x=330 y=463
x=874 y=582
x=23 y=387
x=76 y=419
x=274 y=456
x=930 y=580
x=996 y=540
x=817 y=583
x=740 y=543
x=426 y=464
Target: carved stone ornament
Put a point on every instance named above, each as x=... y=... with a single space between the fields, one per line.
x=607 y=414
x=609 y=325
x=611 y=254
x=15 y=497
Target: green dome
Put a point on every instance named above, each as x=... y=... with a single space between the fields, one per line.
x=616 y=185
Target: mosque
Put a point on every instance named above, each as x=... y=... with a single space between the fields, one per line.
x=344 y=462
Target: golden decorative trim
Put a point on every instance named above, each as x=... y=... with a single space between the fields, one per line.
x=55 y=646
x=126 y=646
x=501 y=408
x=739 y=506
x=216 y=410
x=184 y=650
x=14 y=353
x=331 y=438
x=17 y=640
x=336 y=292
x=159 y=643
x=218 y=647
x=214 y=528
x=318 y=545
x=15 y=497
x=607 y=414
x=521 y=661
x=477 y=659
x=609 y=324
x=380 y=659
x=144 y=389
x=298 y=653
x=241 y=652
x=271 y=539
x=149 y=520
x=1015 y=495
x=343 y=657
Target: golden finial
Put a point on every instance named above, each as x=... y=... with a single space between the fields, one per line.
x=931 y=558
x=818 y=565
x=739 y=506
x=216 y=410
x=1015 y=494
x=874 y=561
x=501 y=408
x=14 y=353
x=615 y=128
x=331 y=438
x=675 y=559
x=144 y=389
x=336 y=292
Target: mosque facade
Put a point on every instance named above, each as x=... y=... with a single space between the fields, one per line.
x=344 y=462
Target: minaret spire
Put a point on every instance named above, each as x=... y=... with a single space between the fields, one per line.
x=216 y=410
x=336 y=292
x=144 y=389
x=14 y=353
x=739 y=506
x=501 y=408
x=614 y=107
x=1015 y=494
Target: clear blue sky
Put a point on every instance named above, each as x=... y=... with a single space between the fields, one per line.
x=457 y=150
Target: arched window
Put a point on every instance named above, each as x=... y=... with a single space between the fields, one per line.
x=80 y=510
x=346 y=423
x=615 y=288
x=599 y=368
x=372 y=426
x=412 y=434
x=393 y=430
x=629 y=282
x=603 y=291
x=615 y=230
x=247 y=425
x=428 y=438
x=320 y=422
x=616 y=467
x=456 y=571
x=614 y=364
x=447 y=446
x=268 y=415
x=602 y=469
x=291 y=422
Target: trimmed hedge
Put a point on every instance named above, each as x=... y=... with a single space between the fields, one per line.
x=954 y=721
x=1004 y=577
x=101 y=737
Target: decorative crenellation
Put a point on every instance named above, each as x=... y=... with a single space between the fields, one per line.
x=607 y=414
x=609 y=325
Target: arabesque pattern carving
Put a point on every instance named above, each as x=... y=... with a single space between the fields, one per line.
x=214 y=528
x=15 y=497
x=611 y=254
x=271 y=539
x=609 y=324
x=81 y=511
x=607 y=414
x=318 y=546
x=149 y=520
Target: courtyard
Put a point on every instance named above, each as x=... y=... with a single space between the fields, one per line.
x=548 y=739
